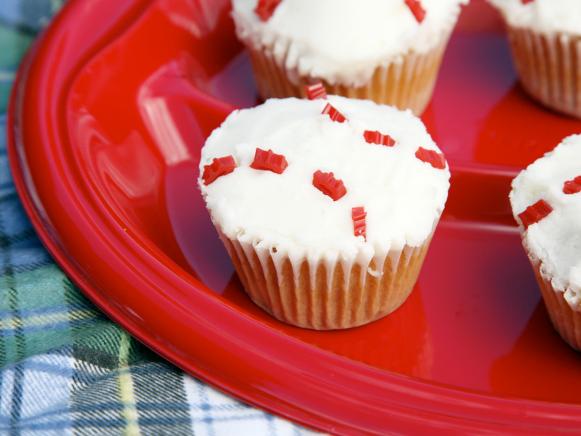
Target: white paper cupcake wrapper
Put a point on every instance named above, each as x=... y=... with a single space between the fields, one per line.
x=565 y=319
x=407 y=82
x=549 y=67
x=322 y=296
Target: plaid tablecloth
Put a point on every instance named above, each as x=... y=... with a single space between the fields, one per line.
x=64 y=367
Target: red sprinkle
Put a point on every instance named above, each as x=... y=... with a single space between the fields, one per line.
x=269 y=161
x=265 y=8
x=572 y=186
x=375 y=137
x=333 y=113
x=316 y=90
x=533 y=214
x=432 y=157
x=417 y=9
x=219 y=167
x=358 y=216
x=526 y=2
x=329 y=185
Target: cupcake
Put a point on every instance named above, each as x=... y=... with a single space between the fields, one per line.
x=546 y=202
x=545 y=39
x=326 y=206
x=388 y=51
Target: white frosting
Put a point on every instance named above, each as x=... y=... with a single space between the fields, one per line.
x=544 y=16
x=286 y=215
x=344 y=41
x=555 y=241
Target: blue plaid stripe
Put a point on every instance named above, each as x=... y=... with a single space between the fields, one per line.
x=64 y=368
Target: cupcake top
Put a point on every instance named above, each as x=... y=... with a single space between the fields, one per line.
x=343 y=41
x=546 y=202
x=544 y=16
x=334 y=179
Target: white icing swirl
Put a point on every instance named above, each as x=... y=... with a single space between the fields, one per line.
x=555 y=241
x=286 y=214
x=543 y=16
x=344 y=41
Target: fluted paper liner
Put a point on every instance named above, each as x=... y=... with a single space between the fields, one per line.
x=565 y=320
x=549 y=67
x=407 y=82
x=336 y=299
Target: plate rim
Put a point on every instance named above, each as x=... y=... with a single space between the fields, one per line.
x=414 y=403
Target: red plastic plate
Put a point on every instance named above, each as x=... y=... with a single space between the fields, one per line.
x=107 y=119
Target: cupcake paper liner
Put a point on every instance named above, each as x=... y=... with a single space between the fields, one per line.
x=407 y=83
x=565 y=320
x=324 y=301
x=549 y=67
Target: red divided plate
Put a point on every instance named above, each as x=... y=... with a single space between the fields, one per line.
x=107 y=120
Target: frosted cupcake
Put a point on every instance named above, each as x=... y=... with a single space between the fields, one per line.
x=545 y=38
x=384 y=50
x=326 y=207
x=546 y=202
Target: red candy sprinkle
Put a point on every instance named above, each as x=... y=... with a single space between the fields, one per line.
x=358 y=215
x=375 y=137
x=417 y=9
x=265 y=8
x=526 y=2
x=572 y=186
x=432 y=157
x=316 y=90
x=533 y=214
x=219 y=167
x=269 y=161
x=329 y=185
x=333 y=113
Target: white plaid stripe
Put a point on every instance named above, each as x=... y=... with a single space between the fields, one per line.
x=215 y=414
x=43 y=374
x=6 y=389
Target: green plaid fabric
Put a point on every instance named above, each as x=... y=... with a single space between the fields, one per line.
x=64 y=367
